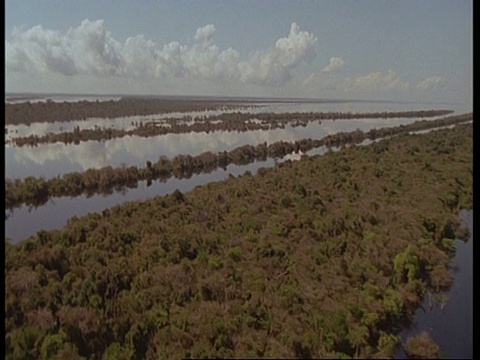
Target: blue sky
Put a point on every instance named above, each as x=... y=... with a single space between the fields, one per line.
x=391 y=50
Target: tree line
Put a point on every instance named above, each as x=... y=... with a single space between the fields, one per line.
x=51 y=111
x=236 y=121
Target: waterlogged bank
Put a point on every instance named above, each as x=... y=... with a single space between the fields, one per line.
x=448 y=316
x=57 y=211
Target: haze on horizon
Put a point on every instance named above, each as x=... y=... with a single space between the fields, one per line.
x=384 y=50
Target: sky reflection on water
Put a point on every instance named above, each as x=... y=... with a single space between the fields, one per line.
x=50 y=160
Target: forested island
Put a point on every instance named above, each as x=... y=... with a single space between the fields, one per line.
x=37 y=191
x=323 y=257
x=51 y=111
x=236 y=121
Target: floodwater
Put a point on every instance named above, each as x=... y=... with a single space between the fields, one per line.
x=51 y=160
x=448 y=316
x=55 y=213
x=131 y=122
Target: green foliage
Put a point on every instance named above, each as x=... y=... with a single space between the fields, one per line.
x=387 y=344
x=117 y=352
x=358 y=335
x=215 y=263
x=235 y=253
x=393 y=302
x=52 y=344
x=23 y=343
x=407 y=265
x=449 y=246
x=8 y=243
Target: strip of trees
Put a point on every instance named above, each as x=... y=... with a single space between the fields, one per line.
x=50 y=111
x=236 y=121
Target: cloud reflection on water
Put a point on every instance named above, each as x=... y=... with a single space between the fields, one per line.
x=50 y=160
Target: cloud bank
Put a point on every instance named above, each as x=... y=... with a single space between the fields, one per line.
x=90 y=49
x=432 y=83
x=373 y=82
x=89 y=56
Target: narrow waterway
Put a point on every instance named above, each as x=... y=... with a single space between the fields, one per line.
x=56 y=212
x=448 y=316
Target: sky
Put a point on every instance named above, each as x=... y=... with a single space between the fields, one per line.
x=414 y=50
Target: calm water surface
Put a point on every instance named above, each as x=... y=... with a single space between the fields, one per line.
x=51 y=160
x=24 y=222
x=128 y=123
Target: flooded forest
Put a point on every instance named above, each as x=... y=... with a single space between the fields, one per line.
x=175 y=227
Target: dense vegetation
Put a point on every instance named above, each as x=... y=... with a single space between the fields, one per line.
x=423 y=347
x=224 y=122
x=316 y=258
x=36 y=191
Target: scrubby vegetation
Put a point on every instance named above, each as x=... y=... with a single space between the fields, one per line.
x=224 y=122
x=422 y=347
x=36 y=191
x=316 y=258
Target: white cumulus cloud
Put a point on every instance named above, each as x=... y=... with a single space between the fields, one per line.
x=372 y=82
x=431 y=83
x=205 y=33
x=94 y=49
x=322 y=80
x=39 y=49
x=272 y=67
x=335 y=64
x=90 y=49
x=140 y=57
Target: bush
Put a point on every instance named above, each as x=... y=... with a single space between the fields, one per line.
x=235 y=253
x=422 y=346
